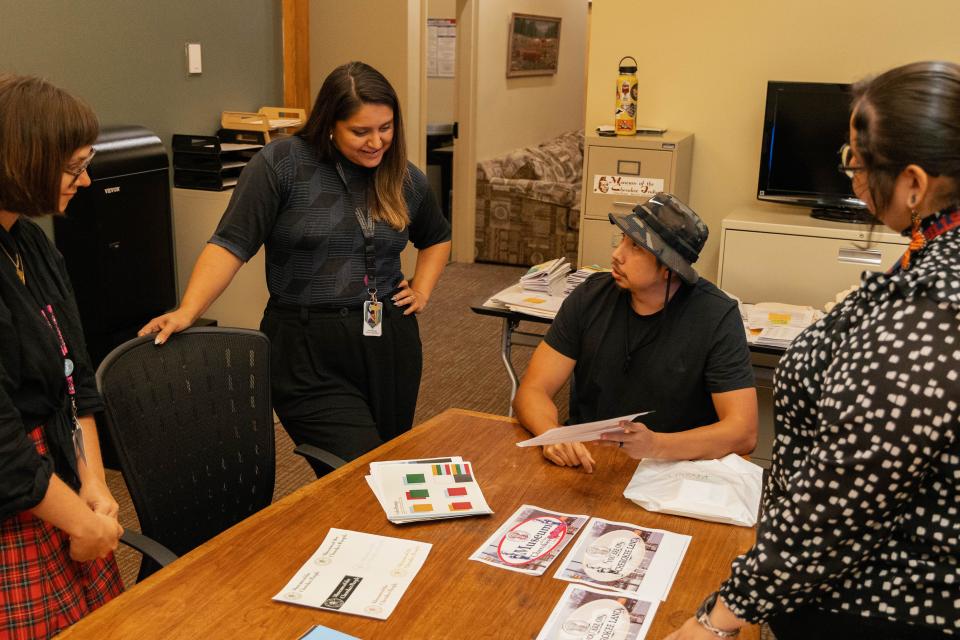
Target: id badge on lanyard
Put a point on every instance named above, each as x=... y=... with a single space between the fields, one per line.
x=372 y=308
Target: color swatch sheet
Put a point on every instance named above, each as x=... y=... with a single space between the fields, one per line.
x=626 y=558
x=584 y=613
x=416 y=491
x=358 y=573
x=530 y=540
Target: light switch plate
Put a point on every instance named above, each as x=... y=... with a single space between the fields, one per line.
x=194 y=62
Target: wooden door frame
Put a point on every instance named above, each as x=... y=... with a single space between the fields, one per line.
x=465 y=146
x=296 y=54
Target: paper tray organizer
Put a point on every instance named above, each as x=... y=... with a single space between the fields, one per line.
x=269 y=121
x=206 y=162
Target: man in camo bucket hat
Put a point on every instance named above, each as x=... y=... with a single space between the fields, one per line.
x=651 y=336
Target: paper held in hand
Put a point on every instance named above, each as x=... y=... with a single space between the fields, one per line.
x=580 y=432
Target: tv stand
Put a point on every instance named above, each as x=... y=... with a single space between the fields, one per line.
x=852 y=216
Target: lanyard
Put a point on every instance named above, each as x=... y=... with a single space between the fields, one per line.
x=367 y=227
x=51 y=319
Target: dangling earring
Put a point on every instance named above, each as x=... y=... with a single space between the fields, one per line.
x=916 y=238
x=331 y=136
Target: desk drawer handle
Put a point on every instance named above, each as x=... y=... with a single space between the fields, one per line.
x=859 y=256
x=620 y=203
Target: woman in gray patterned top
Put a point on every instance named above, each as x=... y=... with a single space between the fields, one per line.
x=860 y=534
x=334 y=206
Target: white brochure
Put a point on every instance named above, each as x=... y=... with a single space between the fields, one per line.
x=590 y=614
x=358 y=573
x=579 y=432
x=625 y=558
x=529 y=540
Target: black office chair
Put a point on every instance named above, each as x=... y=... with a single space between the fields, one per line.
x=193 y=428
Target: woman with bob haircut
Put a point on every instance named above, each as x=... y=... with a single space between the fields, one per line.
x=860 y=529
x=58 y=521
x=334 y=206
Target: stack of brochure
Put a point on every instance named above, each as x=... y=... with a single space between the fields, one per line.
x=547 y=278
x=417 y=490
x=771 y=324
x=577 y=277
x=516 y=299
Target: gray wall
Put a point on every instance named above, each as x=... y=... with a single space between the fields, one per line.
x=126 y=57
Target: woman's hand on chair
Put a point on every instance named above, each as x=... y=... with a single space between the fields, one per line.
x=100 y=536
x=168 y=323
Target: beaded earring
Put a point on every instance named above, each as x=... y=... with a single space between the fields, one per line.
x=916 y=239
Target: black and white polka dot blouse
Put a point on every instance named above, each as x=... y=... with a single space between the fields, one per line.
x=863 y=511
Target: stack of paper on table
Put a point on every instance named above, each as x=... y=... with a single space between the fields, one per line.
x=547 y=278
x=576 y=278
x=774 y=324
x=358 y=573
x=417 y=490
x=516 y=299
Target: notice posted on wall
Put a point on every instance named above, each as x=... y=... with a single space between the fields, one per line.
x=529 y=540
x=626 y=185
x=583 y=612
x=626 y=558
x=358 y=573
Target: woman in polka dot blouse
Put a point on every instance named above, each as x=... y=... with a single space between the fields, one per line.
x=860 y=533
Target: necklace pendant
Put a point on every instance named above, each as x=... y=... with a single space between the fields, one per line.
x=21 y=275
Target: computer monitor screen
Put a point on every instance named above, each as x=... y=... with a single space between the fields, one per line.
x=805 y=123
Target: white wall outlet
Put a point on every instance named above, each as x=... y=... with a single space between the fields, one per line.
x=194 y=63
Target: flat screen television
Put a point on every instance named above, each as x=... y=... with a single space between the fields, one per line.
x=804 y=125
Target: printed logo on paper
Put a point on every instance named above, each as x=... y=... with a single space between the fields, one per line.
x=531 y=540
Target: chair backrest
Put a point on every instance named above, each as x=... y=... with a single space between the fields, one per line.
x=193 y=427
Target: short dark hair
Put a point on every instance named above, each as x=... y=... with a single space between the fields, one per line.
x=909 y=115
x=41 y=127
x=343 y=93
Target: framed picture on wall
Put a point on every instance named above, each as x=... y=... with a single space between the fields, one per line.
x=534 y=45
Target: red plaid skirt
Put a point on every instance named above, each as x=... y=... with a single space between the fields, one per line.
x=42 y=590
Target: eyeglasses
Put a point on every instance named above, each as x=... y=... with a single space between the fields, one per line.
x=846 y=155
x=77 y=171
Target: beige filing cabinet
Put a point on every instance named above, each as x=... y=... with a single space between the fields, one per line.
x=784 y=255
x=195 y=217
x=656 y=163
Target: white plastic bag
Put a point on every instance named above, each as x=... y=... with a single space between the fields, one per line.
x=725 y=490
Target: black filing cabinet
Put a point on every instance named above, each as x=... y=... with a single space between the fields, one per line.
x=117 y=238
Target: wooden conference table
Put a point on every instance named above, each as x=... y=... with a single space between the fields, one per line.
x=223 y=589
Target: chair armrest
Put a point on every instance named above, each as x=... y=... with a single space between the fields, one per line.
x=312 y=452
x=148 y=547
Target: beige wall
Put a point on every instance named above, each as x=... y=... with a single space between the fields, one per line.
x=517 y=112
x=386 y=35
x=441 y=92
x=704 y=68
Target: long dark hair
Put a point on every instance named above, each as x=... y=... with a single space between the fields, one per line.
x=909 y=115
x=345 y=90
x=41 y=127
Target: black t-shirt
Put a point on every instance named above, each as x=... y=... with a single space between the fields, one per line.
x=678 y=356
x=298 y=205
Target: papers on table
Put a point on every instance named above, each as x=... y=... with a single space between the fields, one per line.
x=529 y=540
x=576 y=278
x=626 y=558
x=416 y=490
x=547 y=277
x=773 y=324
x=583 y=612
x=579 y=432
x=516 y=299
x=358 y=573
